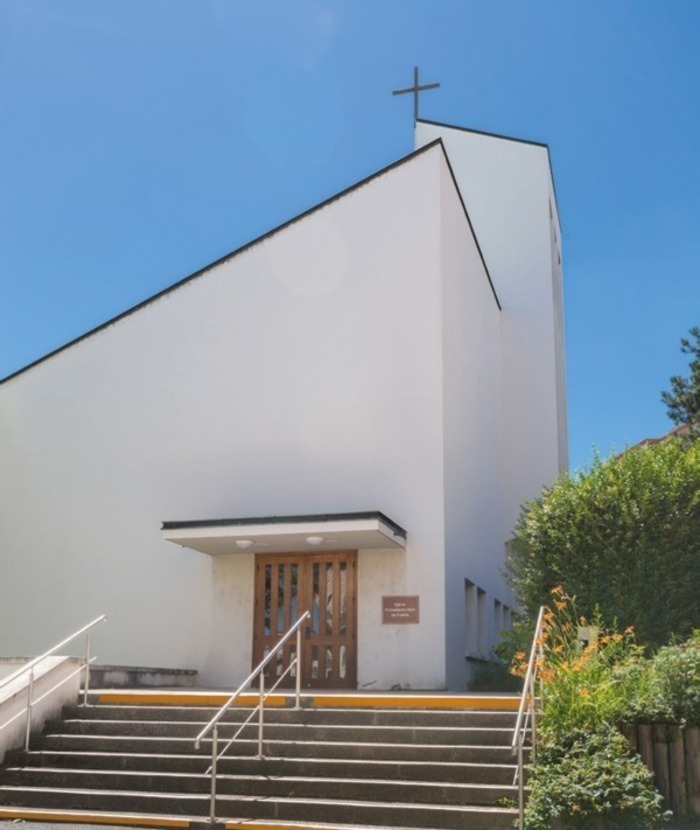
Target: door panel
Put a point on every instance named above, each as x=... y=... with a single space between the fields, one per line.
x=325 y=584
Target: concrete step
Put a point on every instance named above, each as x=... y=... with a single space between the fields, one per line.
x=468 y=773
x=289 y=732
x=279 y=748
x=266 y=785
x=356 y=761
x=383 y=814
x=373 y=813
x=34 y=818
x=482 y=719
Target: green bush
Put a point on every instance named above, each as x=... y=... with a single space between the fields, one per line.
x=665 y=688
x=585 y=777
x=493 y=676
x=624 y=537
x=581 y=686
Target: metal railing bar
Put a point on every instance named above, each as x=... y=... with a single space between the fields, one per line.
x=35 y=701
x=36 y=660
x=13 y=718
x=45 y=694
x=247 y=682
x=526 y=719
x=254 y=712
x=213 y=724
x=280 y=679
x=61 y=682
x=528 y=681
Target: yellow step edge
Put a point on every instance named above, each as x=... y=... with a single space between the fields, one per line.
x=79 y=817
x=169 y=698
x=364 y=700
x=418 y=701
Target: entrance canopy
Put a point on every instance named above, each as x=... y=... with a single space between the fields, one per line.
x=288 y=534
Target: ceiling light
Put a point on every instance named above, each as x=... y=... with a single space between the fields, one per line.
x=315 y=541
x=244 y=544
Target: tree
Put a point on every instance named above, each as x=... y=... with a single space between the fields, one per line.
x=683 y=401
x=623 y=536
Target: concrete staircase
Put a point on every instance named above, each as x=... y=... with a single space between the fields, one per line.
x=364 y=760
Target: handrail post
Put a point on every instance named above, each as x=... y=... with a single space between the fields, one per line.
x=298 y=670
x=86 y=679
x=533 y=718
x=260 y=714
x=30 y=696
x=521 y=788
x=214 y=759
x=527 y=714
x=259 y=671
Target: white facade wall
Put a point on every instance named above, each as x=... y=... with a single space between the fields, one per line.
x=507 y=188
x=505 y=396
x=472 y=392
x=300 y=376
x=355 y=359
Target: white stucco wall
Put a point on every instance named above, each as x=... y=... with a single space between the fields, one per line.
x=300 y=376
x=507 y=187
x=472 y=390
x=354 y=360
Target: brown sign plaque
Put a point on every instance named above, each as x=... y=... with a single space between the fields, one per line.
x=399 y=610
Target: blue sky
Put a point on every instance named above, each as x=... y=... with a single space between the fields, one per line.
x=142 y=139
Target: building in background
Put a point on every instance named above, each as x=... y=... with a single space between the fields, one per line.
x=342 y=416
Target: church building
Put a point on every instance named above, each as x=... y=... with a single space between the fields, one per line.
x=343 y=416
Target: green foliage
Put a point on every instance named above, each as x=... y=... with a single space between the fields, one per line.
x=683 y=401
x=623 y=536
x=518 y=638
x=665 y=688
x=581 y=687
x=493 y=676
x=584 y=777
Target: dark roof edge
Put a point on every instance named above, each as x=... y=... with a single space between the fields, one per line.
x=483 y=132
x=300 y=519
x=504 y=138
x=471 y=227
x=221 y=260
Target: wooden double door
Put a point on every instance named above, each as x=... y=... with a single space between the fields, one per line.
x=325 y=584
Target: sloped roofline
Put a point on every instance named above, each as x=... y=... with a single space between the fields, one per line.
x=201 y=271
x=541 y=144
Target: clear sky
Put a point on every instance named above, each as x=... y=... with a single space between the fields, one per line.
x=142 y=139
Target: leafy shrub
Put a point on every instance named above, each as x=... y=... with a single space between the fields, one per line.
x=493 y=676
x=623 y=536
x=583 y=777
x=665 y=688
x=582 y=688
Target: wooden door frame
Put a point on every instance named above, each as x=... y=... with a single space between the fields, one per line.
x=304 y=599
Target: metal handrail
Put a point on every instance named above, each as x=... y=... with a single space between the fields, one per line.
x=34 y=662
x=527 y=715
x=213 y=725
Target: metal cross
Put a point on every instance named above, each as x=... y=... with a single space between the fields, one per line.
x=415 y=89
